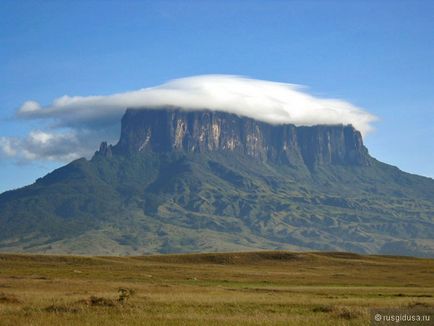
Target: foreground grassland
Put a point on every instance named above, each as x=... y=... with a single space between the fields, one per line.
x=275 y=288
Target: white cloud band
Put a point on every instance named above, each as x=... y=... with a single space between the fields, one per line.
x=272 y=102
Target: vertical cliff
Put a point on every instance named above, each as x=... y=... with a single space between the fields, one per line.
x=202 y=131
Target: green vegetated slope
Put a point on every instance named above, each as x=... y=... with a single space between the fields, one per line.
x=218 y=201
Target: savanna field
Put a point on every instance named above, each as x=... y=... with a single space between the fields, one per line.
x=273 y=288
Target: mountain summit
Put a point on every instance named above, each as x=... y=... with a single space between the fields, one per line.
x=210 y=131
x=185 y=181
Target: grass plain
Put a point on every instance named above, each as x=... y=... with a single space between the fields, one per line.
x=255 y=288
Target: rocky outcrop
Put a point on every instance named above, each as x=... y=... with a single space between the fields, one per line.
x=201 y=131
x=105 y=150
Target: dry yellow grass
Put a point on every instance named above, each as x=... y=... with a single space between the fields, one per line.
x=273 y=288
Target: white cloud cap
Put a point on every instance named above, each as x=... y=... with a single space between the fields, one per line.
x=268 y=101
x=272 y=102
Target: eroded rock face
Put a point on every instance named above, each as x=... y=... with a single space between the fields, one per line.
x=105 y=150
x=182 y=181
x=201 y=131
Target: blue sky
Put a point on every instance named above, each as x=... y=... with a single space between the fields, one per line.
x=377 y=55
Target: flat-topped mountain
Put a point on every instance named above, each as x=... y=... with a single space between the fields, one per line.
x=186 y=181
x=209 y=131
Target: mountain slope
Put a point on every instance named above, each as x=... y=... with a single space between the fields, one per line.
x=182 y=181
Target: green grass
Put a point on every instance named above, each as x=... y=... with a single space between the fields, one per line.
x=275 y=288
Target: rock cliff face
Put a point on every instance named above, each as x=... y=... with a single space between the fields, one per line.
x=200 y=181
x=202 y=131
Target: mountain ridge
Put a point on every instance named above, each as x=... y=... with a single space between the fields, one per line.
x=177 y=183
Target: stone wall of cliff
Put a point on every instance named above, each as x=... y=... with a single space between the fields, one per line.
x=166 y=130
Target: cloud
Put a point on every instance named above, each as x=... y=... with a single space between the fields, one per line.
x=268 y=101
x=62 y=145
x=41 y=145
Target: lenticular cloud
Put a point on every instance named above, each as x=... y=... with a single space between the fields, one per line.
x=268 y=101
x=75 y=125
